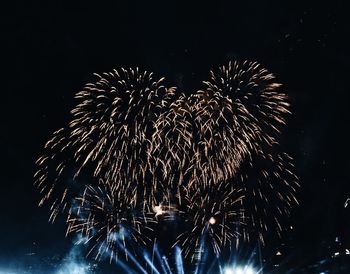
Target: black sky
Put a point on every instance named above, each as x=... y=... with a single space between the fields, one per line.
x=51 y=49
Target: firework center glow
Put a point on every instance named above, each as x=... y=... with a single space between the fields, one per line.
x=212 y=221
x=158 y=210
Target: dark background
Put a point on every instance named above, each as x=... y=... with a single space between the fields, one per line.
x=51 y=49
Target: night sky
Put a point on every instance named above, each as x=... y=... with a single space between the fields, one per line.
x=51 y=49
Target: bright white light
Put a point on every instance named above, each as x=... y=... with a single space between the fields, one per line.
x=73 y=268
x=212 y=220
x=240 y=270
x=158 y=210
x=228 y=270
x=249 y=270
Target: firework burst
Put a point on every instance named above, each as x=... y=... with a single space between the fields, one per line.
x=108 y=137
x=270 y=187
x=52 y=178
x=259 y=107
x=107 y=219
x=211 y=213
x=147 y=152
x=199 y=143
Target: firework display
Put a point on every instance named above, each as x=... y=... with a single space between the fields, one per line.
x=136 y=151
x=210 y=216
x=106 y=217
